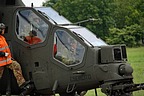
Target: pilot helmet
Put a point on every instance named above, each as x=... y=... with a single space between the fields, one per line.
x=2 y=26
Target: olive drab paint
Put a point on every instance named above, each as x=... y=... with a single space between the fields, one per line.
x=67 y=59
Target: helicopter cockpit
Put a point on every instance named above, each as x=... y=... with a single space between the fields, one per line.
x=66 y=48
x=30 y=28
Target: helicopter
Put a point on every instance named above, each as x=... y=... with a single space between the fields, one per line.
x=67 y=59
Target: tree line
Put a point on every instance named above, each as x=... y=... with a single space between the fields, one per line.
x=118 y=21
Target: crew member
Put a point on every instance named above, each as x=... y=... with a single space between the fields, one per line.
x=32 y=38
x=6 y=60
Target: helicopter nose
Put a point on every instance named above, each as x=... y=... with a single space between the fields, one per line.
x=125 y=69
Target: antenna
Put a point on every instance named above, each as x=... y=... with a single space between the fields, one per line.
x=31 y=4
x=87 y=20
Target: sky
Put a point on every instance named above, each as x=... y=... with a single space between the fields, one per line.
x=36 y=3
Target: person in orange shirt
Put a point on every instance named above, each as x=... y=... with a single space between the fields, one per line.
x=6 y=60
x=32 y=38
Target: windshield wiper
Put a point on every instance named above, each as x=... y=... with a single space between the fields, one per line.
x=45 y=15
x=82 y=38
x=87 y=20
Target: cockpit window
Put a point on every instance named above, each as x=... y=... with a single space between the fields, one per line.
x=53 y=15
x=30 y=28
x=66 y=49
x=88 y=37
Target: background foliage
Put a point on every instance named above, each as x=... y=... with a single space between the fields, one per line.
x=119 y=21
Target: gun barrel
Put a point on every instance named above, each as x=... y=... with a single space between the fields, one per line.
x=135 y=87
x=121 y=89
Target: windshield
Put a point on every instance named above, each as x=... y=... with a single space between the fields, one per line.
x=30 y=28
x=53 y=15
x=88 y=37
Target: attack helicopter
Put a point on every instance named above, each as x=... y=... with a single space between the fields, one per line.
x=63 y=58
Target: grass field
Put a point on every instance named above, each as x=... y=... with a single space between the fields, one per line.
x=136 y=59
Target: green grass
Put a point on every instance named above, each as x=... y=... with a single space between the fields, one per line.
x=136 y=60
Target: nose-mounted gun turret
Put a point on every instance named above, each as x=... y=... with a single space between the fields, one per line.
x=116 y=54
x=118 y=81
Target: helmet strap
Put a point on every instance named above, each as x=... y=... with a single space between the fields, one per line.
x=0 y=31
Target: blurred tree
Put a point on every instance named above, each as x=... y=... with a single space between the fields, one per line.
x=126 y=13
x=131 y=36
